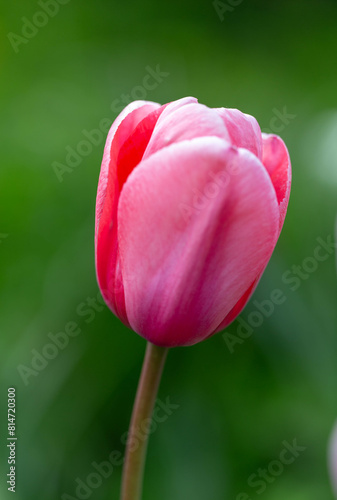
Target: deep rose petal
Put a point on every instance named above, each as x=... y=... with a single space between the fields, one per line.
x=275 y=158
x=130 y=116
x=106 y=248
x=191 y=246
x=243 y=129
x=185 y=123
x=132 y=151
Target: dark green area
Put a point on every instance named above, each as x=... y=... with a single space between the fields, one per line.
x=235 y=409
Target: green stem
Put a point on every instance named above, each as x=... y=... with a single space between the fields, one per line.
x=135 y=454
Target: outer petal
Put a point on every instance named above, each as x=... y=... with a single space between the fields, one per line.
x=106 y=248
x=133 y=149
x=243 y=129
x=185 y=123
x=275 y=158
x=241 y=303
x=197 y=223
x=131 y=116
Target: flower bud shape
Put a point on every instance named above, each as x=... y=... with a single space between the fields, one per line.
x=190 y=204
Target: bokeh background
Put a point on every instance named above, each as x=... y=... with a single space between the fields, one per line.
x=269 y=59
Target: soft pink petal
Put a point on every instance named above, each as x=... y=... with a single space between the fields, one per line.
x=171 y=107
x=241 y=303
x=185 y=123
x=191 y=246
x=243 y=129
x=275 y=158
x=106 y=247
x=277 y=162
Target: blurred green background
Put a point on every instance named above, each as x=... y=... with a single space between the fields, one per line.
x=235 y=409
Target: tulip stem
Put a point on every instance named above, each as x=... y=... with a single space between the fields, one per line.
x=136 y=445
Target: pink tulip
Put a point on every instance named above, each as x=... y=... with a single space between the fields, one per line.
x=190 y=204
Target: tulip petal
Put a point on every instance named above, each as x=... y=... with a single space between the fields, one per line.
x=106 y=248
x=243 y=129
x=197 y=223
x=241 y=303
x=132 y=151
x=185 y=123
x=130 y=116
x=275 y=158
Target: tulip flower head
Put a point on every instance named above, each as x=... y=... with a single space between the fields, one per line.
x=190 y=205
